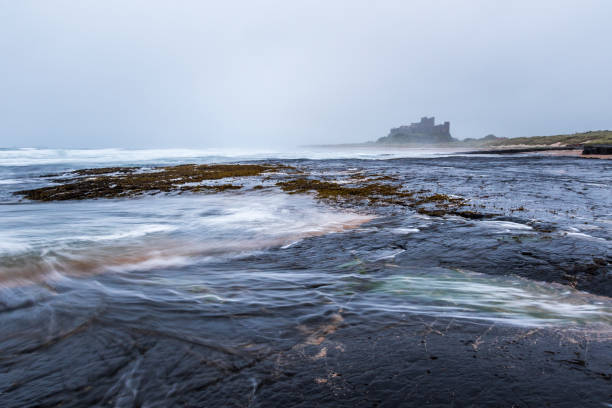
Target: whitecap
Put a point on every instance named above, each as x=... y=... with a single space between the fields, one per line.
x=506 y=225
x=404 y=230
x=582 y=235
x=133 y=232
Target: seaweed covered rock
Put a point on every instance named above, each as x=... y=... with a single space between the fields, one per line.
x=112 y=182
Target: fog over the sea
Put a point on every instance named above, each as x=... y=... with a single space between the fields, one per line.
x=149 y=73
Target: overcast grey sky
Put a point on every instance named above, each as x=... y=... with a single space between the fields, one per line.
x=149 y=73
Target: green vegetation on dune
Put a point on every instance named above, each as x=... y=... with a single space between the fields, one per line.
x=584 y=138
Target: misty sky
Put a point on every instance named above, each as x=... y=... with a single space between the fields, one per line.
x=150 y=73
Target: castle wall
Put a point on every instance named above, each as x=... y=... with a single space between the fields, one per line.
x=425 y=131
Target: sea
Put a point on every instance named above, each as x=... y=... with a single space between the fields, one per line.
x=263 y=298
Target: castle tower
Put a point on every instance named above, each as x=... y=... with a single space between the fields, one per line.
x=428 y=122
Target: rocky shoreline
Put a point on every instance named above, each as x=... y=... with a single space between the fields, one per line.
x=522 y=149
x=352 y=336
x=588 y=151
x=358 y=189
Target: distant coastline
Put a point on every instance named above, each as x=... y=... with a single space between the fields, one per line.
x=426 y=134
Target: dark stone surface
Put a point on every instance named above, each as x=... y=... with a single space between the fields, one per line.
x=413 y=362
x=597 y=149
x=313 y=329
x=521 y=150
x=444 y=363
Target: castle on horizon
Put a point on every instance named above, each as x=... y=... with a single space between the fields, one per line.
x=424 y=132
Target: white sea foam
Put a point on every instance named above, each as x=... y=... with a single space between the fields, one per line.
x=582 y=235
x=510 y=299
x=506 y=226
x=10 y=246
x=155 y=232
x=387 y=254
x=11 y=181
x=31 y=156
x=405 y=230
x=290 y=244
x=132 y=232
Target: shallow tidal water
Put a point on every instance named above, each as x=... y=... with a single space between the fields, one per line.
x=261 y=298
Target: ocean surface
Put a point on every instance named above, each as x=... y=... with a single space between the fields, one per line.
x=180 y=300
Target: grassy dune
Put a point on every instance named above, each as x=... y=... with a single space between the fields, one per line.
x=585 y=138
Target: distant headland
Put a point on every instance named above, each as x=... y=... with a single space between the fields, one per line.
x=427 y=133
x=424 y=132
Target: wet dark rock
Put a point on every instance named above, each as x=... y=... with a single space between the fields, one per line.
x=113 y=182
x=521 y=150
x=378 y=190
x=139 y=350
x=597 y=149
x=435 y=205
x=335 y=191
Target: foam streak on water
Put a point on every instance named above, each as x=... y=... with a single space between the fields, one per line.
x=93 y=157
x=94 y=236
x=508 y=299
x=215 y=249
